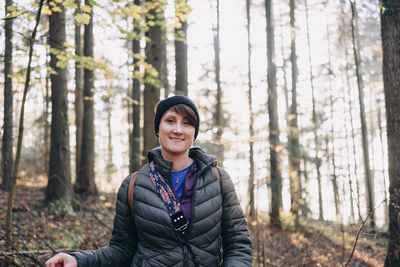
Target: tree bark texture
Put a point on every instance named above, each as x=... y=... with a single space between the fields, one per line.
x=364 y=132
x=78 y=94
x=135 y=153
x=390 y=34
x=59 y=184
x=251 y=211
x=181 y=59
x=85 y=182
x=218 y=107
x=155 y=55
x=7 y=161
x=274 y=143
x=293 y=138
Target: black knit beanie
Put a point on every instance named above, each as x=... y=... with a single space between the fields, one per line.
x=169 y=102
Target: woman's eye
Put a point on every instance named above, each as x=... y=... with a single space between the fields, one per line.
x=170 y=120
x=186 y=123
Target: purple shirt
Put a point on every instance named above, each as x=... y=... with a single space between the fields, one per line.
x=186 y=198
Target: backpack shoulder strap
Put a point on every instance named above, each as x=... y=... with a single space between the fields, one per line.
x=215 y=169
x=130 y=191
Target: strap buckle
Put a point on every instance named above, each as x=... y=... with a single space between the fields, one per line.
x=179 y=221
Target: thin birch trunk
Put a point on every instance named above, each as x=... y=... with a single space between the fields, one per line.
x=250 y=188
x=364 y=132
x=315 y=124
x=11 y=194
x=274 y=143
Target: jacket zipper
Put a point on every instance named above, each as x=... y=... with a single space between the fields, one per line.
x=185 y=256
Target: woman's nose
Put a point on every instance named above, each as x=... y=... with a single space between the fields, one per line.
x=178 y=128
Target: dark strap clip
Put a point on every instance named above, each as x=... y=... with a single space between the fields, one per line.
x=179 y=221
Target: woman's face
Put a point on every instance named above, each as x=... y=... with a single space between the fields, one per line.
x=175 y=134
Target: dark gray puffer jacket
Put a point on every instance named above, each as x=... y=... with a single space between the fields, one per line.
x=150 y=240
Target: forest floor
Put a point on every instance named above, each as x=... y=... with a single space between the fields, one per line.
x=39 y=231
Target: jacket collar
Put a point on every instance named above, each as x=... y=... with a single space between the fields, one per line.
x=164 y=167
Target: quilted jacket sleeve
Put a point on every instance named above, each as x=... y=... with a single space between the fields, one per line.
x=236 y=241
x=123 y=244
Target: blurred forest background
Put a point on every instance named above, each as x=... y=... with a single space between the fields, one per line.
x=298 y=100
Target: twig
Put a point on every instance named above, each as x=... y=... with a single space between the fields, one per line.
x=358 y=235
x=29 y=252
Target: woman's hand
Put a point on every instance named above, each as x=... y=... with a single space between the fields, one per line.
x=61 y=259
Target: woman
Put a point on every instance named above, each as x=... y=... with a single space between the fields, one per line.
x=206 y=228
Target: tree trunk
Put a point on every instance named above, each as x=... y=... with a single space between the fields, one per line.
x=293 y=138
x=348 y=66
x=285 y=87
x=46 y=116
x=390 y=33
x=7 y=161
x=78 y=94
x=346 y=129
x=11 y=194
x=315 y=124
x=155 y=56
x=274 y=143
x=219 y=125
x=181 y=63
x=250 y=189
x=386 y=206
x=85 y=182
x=110 y=150
x=59 y=184
x=364 y=133
x=332 y=139
x=134 y=152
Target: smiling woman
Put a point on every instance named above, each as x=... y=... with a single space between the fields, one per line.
x=186 y=211
x=176 y=135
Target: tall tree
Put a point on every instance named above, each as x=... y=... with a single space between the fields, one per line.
x=134 y=151
x=218 y=116
x=155 y=56
x=7 y=161
x=315 y=124
x=274 y=143
x=251 y=205
x=293 y=136
x=390 y=33
x=385 y=200
x=348 y=66
x=85 y=183
x=11 y=194
x=343 y=41
x=78 y=92
x=181 y=64
x=364 y=133
x=332 y=138
x=59 y=185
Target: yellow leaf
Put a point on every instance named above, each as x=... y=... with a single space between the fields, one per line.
x=56 y=9
x=107 y=205
x=102 y=198
x=254 y=223
x=82 y=18
x=69 y=3
x=51 y=225
x=86 y=8
x=46 y=10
